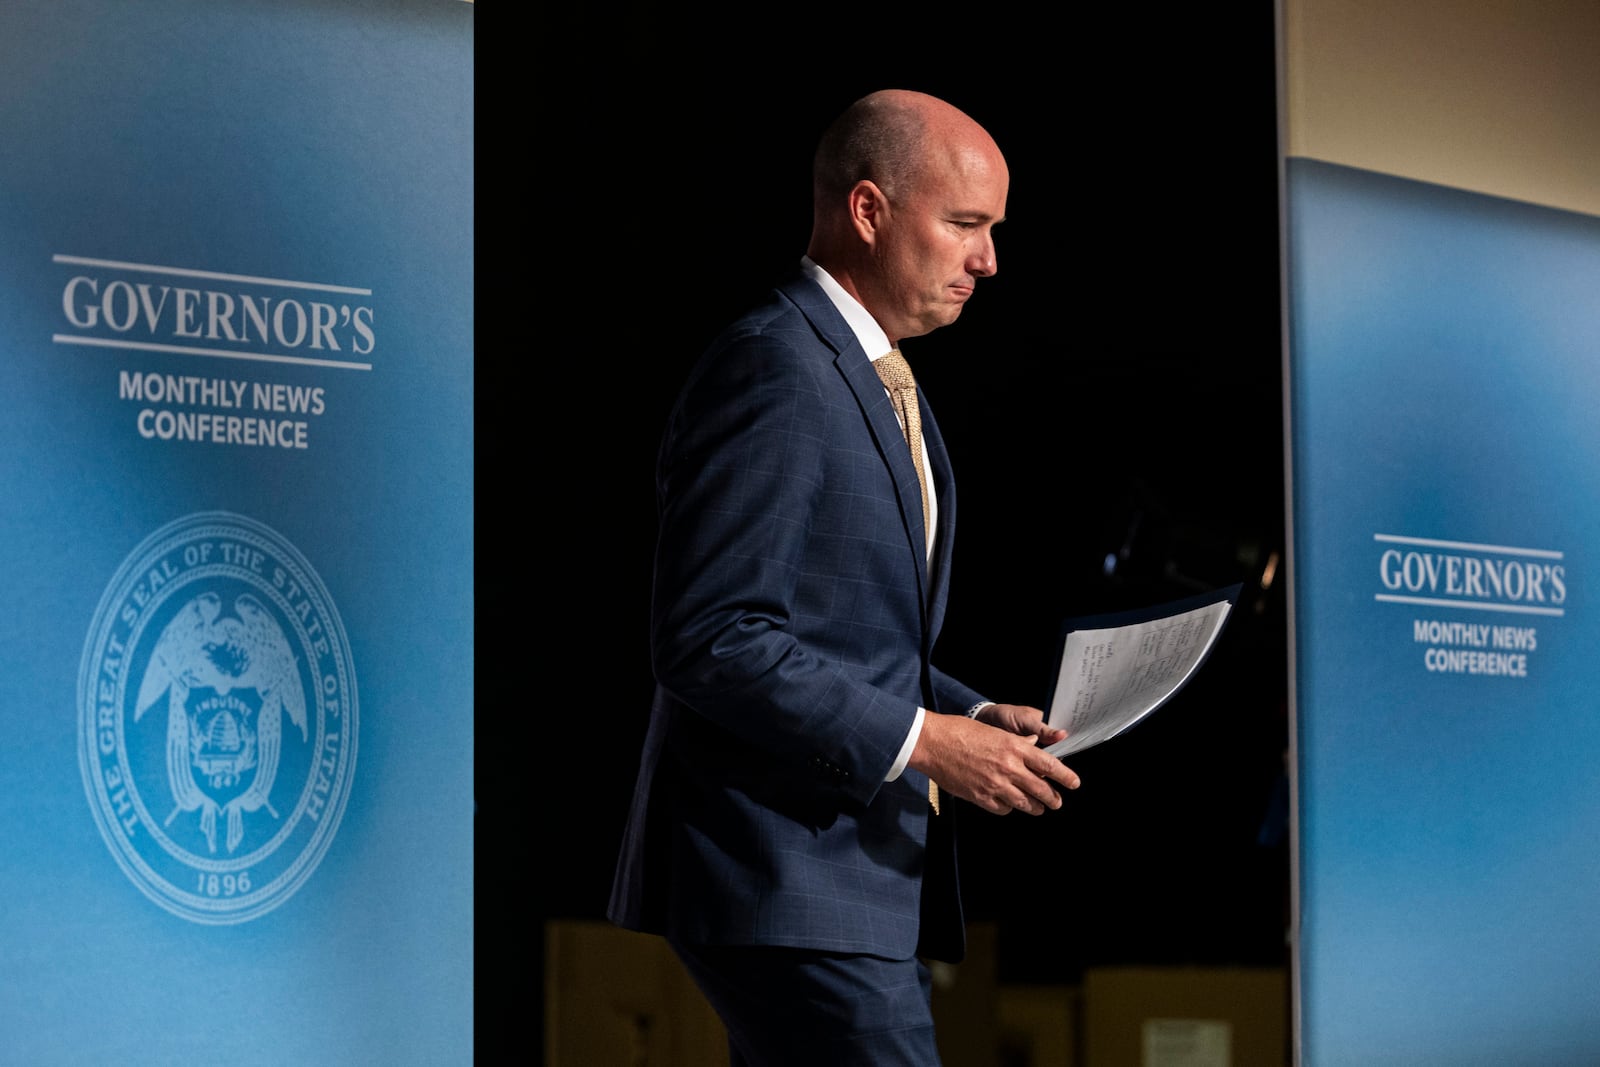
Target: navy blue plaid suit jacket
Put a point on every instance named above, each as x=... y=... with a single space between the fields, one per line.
x=792 y=625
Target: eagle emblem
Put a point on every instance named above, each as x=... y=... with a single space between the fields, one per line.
x=228 y=680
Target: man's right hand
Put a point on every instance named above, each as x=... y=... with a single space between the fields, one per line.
x=996 y=769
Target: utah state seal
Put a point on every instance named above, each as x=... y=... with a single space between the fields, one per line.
x=217 y=718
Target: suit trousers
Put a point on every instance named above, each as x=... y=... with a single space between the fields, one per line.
x=790 y=1007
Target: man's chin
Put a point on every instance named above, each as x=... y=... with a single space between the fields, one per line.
x=943 y=315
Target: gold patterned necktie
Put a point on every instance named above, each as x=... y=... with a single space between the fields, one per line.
x=902 y=386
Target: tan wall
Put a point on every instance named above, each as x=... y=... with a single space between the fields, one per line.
x=1494 y=96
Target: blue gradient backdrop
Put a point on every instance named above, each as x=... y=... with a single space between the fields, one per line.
x=1445 y=375
x=325 y=141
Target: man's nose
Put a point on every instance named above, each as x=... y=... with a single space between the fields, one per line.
x=983 y=262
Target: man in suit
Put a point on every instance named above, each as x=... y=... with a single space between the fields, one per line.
x=783 y=834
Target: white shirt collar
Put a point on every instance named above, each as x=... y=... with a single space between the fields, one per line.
x=868 y=333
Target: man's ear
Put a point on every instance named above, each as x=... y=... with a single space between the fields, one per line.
x=869 y=210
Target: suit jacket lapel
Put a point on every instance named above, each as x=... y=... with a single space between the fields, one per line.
x=856 y=367
x=944 y=486
x=891 y=440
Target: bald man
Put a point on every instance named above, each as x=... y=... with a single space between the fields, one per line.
x=784 y=835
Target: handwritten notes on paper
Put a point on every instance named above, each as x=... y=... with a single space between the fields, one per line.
x=1113 y=676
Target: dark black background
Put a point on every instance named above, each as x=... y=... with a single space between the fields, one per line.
x=1116 y=388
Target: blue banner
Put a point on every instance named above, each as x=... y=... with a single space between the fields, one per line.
x=236 y=698
x=1445 y=371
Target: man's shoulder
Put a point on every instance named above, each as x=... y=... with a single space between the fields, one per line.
x=795 y=311
x=795 y=324
x=792 y=343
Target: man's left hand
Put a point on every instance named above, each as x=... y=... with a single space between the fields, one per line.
x=1020 y=719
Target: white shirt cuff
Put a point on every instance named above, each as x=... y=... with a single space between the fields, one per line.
x=904 y=757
